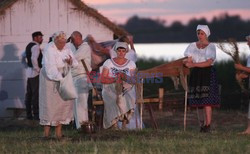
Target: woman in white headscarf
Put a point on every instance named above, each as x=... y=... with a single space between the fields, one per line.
x=118 y=94
x=203 y=86
x=53 y=110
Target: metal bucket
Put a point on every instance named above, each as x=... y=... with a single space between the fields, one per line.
x=88 y=127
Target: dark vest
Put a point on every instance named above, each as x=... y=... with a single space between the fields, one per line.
x=29 y=54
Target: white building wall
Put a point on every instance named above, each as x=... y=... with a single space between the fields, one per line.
x=16 y=27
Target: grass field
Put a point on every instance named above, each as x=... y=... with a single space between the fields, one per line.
x=22 y=136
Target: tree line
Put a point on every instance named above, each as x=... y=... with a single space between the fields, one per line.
x=146 y=30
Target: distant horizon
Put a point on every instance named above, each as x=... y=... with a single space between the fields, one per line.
x=166 y=23
x=173 y=51
x=120 y=11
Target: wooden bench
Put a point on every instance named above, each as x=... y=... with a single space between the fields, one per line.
x=16 y=111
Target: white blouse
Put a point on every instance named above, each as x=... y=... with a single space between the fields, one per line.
x=114 y=68
x=200 y=55
x=54 y=61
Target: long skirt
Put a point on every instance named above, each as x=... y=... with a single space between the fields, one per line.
x=203 y=88
x=113 y=111
x=53 y=110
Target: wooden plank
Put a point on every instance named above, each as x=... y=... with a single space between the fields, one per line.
x=166 y=70
x=150 y=110
x=16 y=111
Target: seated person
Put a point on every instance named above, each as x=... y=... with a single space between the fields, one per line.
x=118 y=94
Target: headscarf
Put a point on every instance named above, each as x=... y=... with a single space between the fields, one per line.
x=204 y=28
x=121 y=45
x=60 y=35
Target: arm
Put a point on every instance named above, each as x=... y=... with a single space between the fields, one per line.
x=35 y=54
x=191 y=64
x=105 y=79
x=242 y=68
x=71 y=60
x=131 y=43
x=50 y=66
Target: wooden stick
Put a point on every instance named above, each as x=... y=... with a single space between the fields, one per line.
x=152 y=116
x=161 y=95
x=88 y=74
x=141 y=108
x=185 y=112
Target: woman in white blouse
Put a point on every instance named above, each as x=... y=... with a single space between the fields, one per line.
x=53 y=110
x=203 y=86
x=119 y=103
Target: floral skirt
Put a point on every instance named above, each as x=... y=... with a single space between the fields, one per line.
x=203 y=88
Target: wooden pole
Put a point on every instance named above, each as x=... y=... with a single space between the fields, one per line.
x=88 y=74
x=161 y=94
x=141 y=104
x=185 y=109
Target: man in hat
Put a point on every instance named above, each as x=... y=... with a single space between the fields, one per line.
x=34 y=63
x=243 y=75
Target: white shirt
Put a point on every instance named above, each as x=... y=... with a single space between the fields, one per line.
x=54 y=61
x=83 y=52
x=114 y=68
x=200 y=55
x=32 y=72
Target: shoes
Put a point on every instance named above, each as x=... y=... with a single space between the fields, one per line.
x=205 y=129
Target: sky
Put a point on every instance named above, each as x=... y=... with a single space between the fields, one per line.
x=119 y=11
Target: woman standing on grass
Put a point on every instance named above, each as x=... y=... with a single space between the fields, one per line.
x=53 y=110
x=203 y=86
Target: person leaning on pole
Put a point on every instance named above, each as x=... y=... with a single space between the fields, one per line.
x=245 y=74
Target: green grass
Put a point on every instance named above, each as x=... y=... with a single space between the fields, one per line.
x=25 y=137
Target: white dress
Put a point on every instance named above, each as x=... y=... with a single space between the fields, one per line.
x=113 y=111
x=53 y=110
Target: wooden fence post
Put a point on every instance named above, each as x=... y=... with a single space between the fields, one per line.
x=161 y=95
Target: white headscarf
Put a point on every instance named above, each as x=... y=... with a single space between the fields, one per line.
x=59 y=35
x=204 y=28
x=121 y=44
